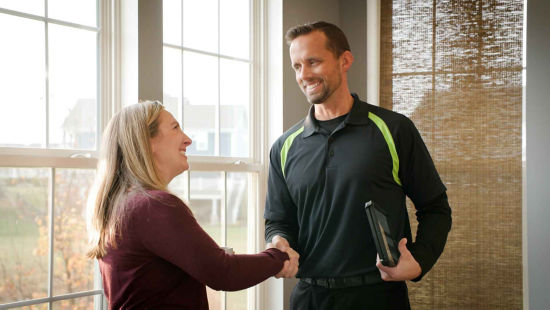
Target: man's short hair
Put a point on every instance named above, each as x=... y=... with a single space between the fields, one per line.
x=337 y=42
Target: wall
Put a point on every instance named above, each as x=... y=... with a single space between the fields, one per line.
x=150 y=49
x=354 y=24
x=536 y=183
x=295 y=105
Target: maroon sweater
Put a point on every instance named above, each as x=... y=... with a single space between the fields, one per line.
x=164 y=259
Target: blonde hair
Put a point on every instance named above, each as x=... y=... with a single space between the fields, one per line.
x=125 y=165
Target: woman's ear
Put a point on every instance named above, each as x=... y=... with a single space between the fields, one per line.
x=153 y=144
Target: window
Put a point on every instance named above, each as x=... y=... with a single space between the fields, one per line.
x=207 y=73
x=209 y=64
x=51 y=88
x=455 y=68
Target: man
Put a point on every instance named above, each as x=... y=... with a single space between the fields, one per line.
x=325 y=168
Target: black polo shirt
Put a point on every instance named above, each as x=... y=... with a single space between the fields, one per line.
x=319 y=182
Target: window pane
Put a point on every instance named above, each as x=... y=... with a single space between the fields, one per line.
x=234 y=108
x=22 y=82
x=82 y=303
x=179 y=187
x=172 y=79
x=200 y=91
x=24 y=227
x=469 y=112
x=207 y=203
x=43 y=306
x=237 y=220
x=235 y=28
x=237 y=208
x=73 y=271
x=200 y=25
x=171 y=19
x=73 y=88
x=35 y=7
x=82 y=12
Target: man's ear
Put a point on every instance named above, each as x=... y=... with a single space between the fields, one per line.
x=346 y=59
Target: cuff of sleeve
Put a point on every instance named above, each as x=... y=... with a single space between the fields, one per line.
x=422 y=257
x=279 y=255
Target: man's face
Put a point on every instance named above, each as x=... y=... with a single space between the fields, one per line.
x=318 y=71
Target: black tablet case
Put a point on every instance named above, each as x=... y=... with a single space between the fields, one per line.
x=386 y=245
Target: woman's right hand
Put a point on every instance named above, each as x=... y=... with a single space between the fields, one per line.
x=290 y=267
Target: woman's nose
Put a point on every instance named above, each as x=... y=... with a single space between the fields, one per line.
x=187 y=140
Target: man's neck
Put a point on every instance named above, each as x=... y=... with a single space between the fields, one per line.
x=331 y=109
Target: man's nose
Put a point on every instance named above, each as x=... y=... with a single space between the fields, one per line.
x=305 y=73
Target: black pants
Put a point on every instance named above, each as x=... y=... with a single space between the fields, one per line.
x=380 y=296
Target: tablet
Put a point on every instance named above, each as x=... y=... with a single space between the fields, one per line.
x=386 y=246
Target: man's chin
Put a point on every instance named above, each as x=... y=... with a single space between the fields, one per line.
x=316 y=100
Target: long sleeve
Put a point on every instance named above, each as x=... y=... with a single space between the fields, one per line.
x=283 y=229
x=280 y=211
x=434 y=224
x=421 y=182
x=167 y=228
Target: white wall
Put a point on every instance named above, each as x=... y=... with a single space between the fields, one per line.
x=537 y=184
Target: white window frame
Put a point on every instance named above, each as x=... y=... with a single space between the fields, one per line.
x=255 y=164
x=112 y=90
x=64 y=158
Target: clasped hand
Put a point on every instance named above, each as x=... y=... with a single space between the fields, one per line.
x=407 y=267
x=290 y=267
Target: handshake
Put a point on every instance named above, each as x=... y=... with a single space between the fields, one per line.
x=290 y=268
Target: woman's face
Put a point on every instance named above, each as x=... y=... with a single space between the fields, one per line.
x=169 y=147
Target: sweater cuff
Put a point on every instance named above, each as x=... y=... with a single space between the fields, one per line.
x=277 y=254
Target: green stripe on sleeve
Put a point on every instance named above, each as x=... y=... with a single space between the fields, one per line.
x=286 y=147
x=389 y=140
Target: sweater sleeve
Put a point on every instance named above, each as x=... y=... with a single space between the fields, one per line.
x=167 y=228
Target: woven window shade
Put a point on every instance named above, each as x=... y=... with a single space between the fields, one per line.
x=455 y=68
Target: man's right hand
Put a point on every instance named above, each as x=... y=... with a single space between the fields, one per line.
x=290 y=268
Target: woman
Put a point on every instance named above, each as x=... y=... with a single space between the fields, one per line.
x=152 y=253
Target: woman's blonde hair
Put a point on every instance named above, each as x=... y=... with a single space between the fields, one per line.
x=125 y=165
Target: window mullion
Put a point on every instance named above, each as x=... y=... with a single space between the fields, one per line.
x=217 y=146
x=182 y=75
x=47 y=73
x=223 y=210
x=188 y=187
x=223 y=214
x=51 y=206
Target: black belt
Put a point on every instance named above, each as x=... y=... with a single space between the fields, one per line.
x=342 y=282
